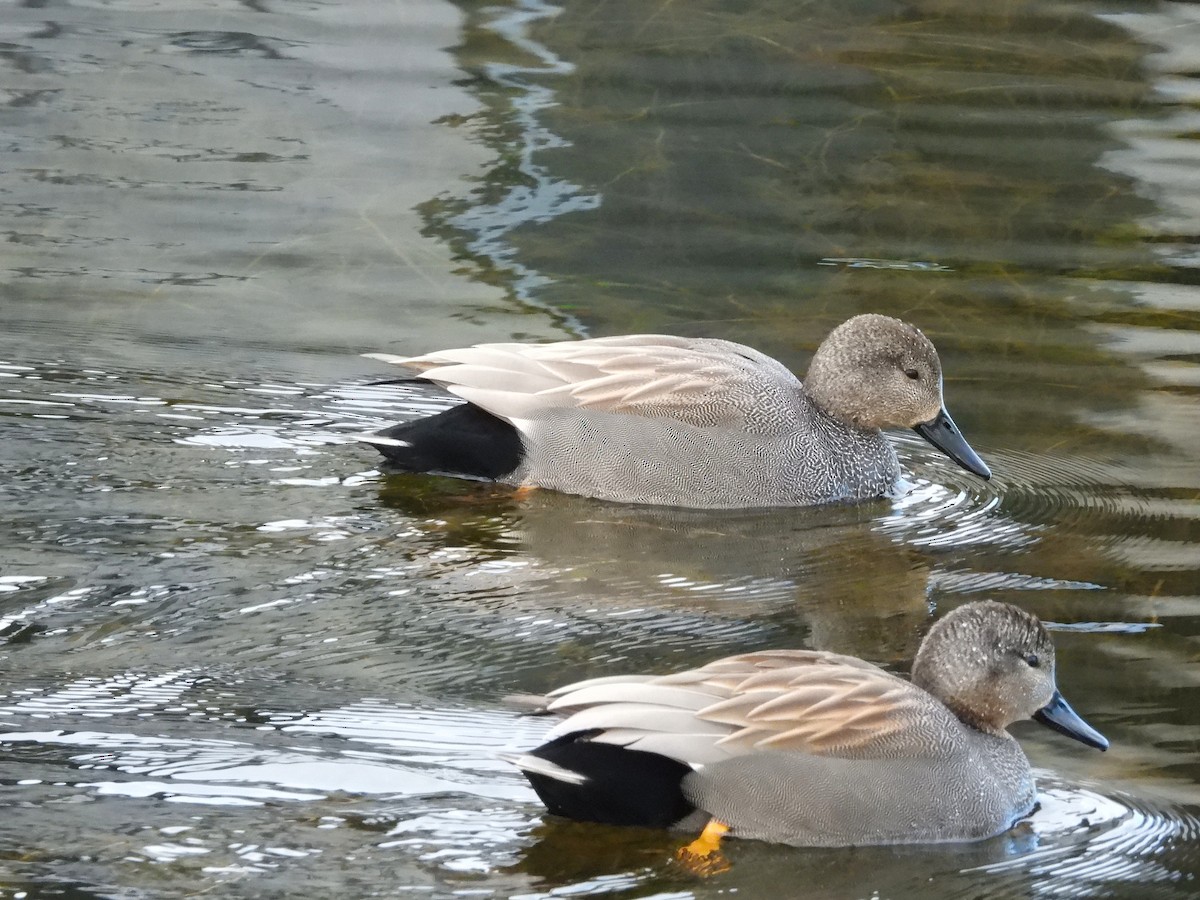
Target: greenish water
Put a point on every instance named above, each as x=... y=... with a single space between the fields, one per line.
x=237 y=661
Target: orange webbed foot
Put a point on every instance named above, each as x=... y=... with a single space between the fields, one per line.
x=703 y=856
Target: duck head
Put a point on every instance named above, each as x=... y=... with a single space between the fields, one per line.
x=877 y=372
x=992 y=664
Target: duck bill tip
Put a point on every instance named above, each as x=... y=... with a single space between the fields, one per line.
x=1058 y=716
x=942 y=433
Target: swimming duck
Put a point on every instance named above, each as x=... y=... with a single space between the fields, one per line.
x=815 y=749
x=692 y=422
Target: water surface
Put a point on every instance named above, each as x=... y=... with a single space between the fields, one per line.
x=236 y=660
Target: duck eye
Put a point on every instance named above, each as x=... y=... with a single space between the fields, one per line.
x=1032 y=660
x=912 y=373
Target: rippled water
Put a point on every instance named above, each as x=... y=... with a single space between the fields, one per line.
x=235 y=660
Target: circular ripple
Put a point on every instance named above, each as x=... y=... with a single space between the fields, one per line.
x=940 y=505
x=1086 y=843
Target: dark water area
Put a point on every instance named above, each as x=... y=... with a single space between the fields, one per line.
x=236 y=660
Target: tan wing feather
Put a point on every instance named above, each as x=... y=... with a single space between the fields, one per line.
x=829 y=710
x=791 y=700
x=702 y=382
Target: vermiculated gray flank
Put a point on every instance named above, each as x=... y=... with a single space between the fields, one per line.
x=684 y=421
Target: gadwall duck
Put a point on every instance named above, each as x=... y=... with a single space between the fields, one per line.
x=815 y=749
x=677 y=421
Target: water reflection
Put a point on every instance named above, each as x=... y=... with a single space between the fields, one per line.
x=279 y=673
x=401 y=774
x=1097 y=842
x=371 y=769
x=520 y=190
x=1108 y=843
x=751 y=576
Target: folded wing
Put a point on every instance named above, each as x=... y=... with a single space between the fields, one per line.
x=808 y=702
x=707 y=383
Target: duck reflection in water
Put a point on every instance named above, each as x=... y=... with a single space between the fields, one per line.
x=770 y=575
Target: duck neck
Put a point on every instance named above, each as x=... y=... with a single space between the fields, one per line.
x=835 y=421
x=972 y=703
x=970 y=714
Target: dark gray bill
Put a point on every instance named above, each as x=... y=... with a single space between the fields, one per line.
x=1057 y=714
x=944 y=434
